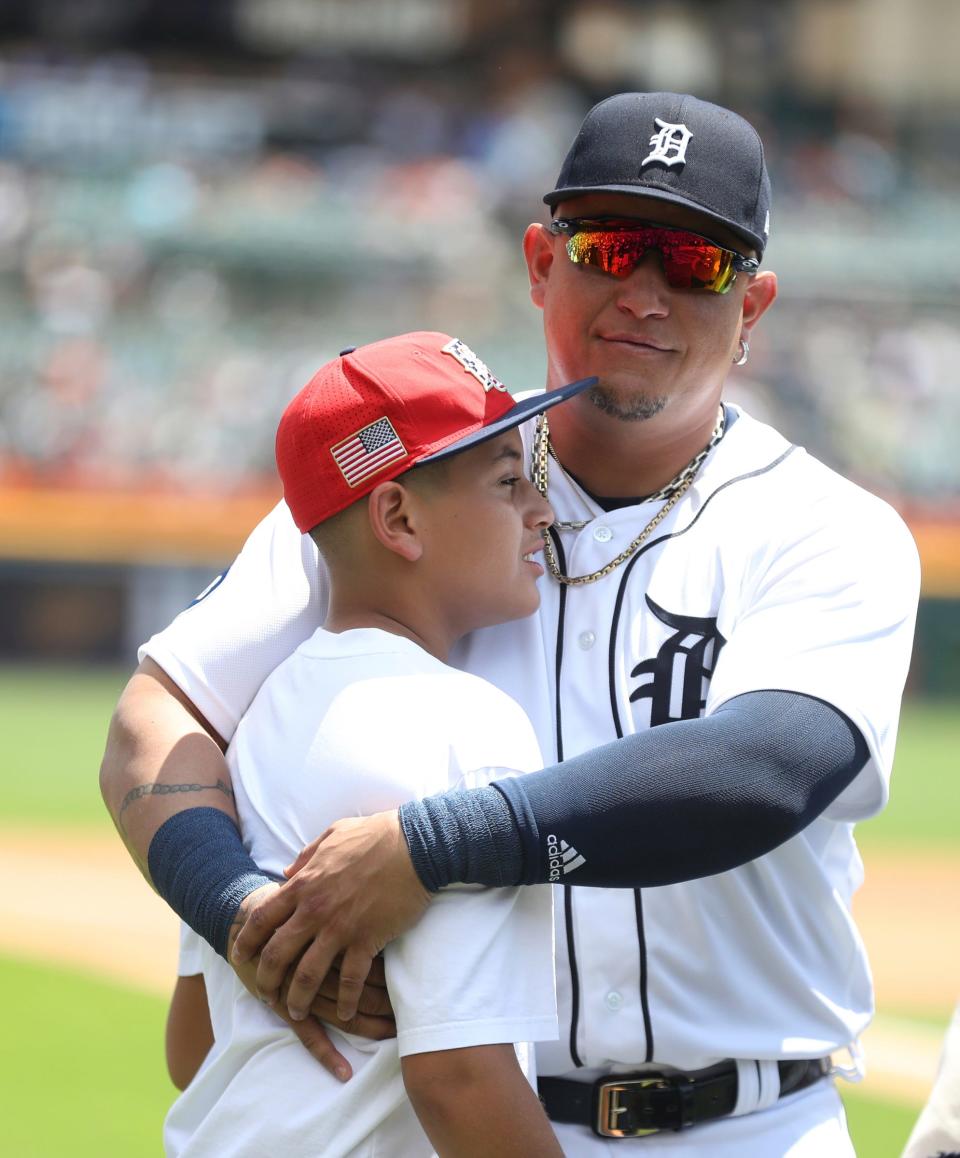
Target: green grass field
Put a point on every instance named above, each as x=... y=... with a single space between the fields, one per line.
x=82 y=1064
x=924 y=808
x=54 y=722
x=82 y=1071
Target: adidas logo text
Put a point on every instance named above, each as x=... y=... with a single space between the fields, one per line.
x=562 y=858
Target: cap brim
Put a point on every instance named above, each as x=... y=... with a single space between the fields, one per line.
x=526 y=408
x=652 y=193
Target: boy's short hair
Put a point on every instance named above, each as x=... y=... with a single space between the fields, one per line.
x=376 y=411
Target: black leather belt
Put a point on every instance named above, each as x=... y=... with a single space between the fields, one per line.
x=633 y=1104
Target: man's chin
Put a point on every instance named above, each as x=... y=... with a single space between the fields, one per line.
x=625 y=405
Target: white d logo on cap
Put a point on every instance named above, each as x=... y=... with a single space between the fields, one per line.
x=669 y=145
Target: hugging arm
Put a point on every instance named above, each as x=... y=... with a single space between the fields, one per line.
x=673 y=803
x=668 y=804
x=167 y=786
x=161 y=757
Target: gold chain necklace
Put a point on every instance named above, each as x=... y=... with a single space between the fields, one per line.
x=672 y=493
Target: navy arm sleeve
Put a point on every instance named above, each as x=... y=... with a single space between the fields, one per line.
x=669 y=804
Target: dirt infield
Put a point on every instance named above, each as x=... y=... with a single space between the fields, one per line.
x=78 y=899
x=904 y=912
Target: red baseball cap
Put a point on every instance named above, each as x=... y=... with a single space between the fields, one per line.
x=375 y=411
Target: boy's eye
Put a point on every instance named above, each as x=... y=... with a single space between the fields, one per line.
x=511 y=481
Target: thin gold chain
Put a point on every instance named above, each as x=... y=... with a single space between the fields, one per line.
x=675 y=490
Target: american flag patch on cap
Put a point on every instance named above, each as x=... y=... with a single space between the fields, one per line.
x=370 y=450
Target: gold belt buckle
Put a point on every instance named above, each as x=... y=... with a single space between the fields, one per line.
x=609 y=1108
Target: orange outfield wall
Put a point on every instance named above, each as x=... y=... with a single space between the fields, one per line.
x=112 y=526
x=126 y=526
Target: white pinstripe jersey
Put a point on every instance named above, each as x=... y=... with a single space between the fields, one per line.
x=773 y=572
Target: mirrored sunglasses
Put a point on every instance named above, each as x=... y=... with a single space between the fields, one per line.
x=618 y=245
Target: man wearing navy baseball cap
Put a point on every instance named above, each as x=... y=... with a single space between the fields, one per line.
x=715 y=668
x=725 y=180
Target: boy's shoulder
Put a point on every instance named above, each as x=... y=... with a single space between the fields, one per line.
x=410 y=697
x=446 y=695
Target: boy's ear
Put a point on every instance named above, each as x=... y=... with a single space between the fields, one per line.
x=391 y=509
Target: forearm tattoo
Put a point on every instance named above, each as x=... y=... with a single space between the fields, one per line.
x=159 y=789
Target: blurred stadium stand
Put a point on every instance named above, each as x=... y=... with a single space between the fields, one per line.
x=199 y=203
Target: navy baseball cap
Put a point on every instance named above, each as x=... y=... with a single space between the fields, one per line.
x=675 y=148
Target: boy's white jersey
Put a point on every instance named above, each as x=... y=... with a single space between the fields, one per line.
x=773 y=572
x=352 y=724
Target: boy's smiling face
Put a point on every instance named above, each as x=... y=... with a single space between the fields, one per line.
x=482 y=524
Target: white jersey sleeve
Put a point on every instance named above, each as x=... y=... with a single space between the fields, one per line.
x=829 y=613
x=221 y=648
x=476 y=970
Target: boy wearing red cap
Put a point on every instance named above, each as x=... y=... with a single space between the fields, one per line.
x=416 y=558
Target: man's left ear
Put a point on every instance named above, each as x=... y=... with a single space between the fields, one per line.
x=759 y=297
x=538 y=253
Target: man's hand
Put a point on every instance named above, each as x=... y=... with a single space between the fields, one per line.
x=351 y=891
x=374 y=1019
x=311 y=1033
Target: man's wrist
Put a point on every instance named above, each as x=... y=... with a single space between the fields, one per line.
x=242 y=912
x=467 y=836
x=200 y=867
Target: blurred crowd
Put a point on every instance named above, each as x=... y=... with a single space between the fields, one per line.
x=179 y=252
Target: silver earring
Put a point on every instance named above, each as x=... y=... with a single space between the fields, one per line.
x=741 y=359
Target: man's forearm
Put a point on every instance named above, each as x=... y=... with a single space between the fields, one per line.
x=167 y=786
x=686 y=800
x=160 y=759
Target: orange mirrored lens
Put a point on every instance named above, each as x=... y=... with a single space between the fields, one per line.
x=689 y=261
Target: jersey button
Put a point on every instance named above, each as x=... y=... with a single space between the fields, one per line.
x=602 y=534
x=614 y=1000
x=586 y=640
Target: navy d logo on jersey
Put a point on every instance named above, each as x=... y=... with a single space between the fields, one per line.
x=676 y=681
